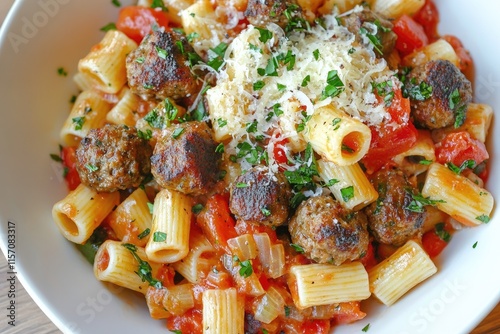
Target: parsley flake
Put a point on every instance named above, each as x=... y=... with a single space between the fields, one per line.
x=159 y=237
x=178 y=132
x=144 y=233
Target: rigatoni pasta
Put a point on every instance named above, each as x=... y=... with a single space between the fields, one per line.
x=169 y=240
x=104 y=66
x=82 y=211
x=393 y=277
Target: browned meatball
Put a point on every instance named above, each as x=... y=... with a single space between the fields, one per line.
x=112 y=158
x=450 y=93
x=355 y=23
x=328 y=232
x=389 y=219
x=261 y=12
x=159 y=67
x=185 y=159
x=259 y=196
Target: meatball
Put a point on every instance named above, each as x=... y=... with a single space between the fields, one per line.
x=259 y=196
x=355 y=23
x=389 y=219
x=261 y=12
x=328 y=232
x=113 y=158
x=185 y=159
x=451 y=93
x=159 y=67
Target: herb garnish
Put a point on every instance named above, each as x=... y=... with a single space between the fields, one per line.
x=144 y=271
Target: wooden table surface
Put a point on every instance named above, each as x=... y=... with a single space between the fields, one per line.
x=31 y=320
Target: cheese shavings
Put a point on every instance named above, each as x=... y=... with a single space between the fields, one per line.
x=290 y=74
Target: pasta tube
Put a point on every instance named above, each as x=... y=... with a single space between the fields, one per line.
x=131 y=220
x=169 y=240
x=322 y=284
x=119 y=264
x=352 y=177
x=337 y=137
x=88 y=112
x=105 y=64
x=82 y=211
x=223 y=312
x=393 y=277
x=458 y=196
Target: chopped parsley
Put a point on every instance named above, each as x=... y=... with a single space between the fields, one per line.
x=140 y=60
x=483 y=219
x=216 y=56
x=56 y=157
x=78 y=121
x=91 y=168
x=271 y=69
x=192 y=36
x=62 y=72
x=475 y=245
x=374 y=40
x=297 y=248
x=116 y=3
x=159 y=4
x=145 y=272
x=420 y=92
x=316 y=54
x=265 y=34
x=302 y=125
x=219 y=148
x=144 y=233
x=441 y=232
x=459 y=169
x=334 y=86
x=305 y=81
x=178 y=132
x=384 y=89
x=336 y=123
x=366 y=328
x=146 y=135
x=246 y=268
x=197 y=208
x=265 y=211
x=159 y=237
x=418 y=202
x=258 y=85
x=154 y=119
x=162 y=53
x=221 y=122
x=241 y=185
x=151 y=207
x=108 y=27
x=347 y=193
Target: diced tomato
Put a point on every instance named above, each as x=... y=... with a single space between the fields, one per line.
x=388 y=140
x=458 y=147
x=411 y=35
x=166 y=275
x=136 y=21
x=217 y=223
x=68 y=156
x=279 y=152
x=316 y=327
x=466 y=63
x=190 y=322
x=428 y=18
x=243 y=227
x=347 y=313
x=433 y=241
x=369 y=259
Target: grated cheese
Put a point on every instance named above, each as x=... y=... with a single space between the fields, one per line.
x=315 y=52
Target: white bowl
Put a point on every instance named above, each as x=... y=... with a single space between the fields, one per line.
x=38 y=37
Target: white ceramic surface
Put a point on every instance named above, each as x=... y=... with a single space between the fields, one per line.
x=38 y=37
